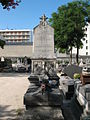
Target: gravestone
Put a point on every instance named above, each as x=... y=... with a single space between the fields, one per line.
x=2 y=59
x=43 y=44
x=70 y=70
x=81 y=63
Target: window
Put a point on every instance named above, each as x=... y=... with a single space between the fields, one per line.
x=86 y=41
x=23 y=33
x=6 y=40
x=9 y=41
x=19 y=32
x=23 y=36
x=15 y=40
x=85 y=35
x=86 y=47
x=27 y=33
x=11 y=37
x=18 y=36
x=86 y=53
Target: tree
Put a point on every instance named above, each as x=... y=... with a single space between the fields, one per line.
x=69 y=23
x=9 y=3
x=2 y=43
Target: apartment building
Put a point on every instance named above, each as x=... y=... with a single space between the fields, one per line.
x=85 y=51
x=16 y=36
x=18 y=43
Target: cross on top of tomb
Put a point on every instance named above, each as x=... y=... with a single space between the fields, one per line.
x=44 y=18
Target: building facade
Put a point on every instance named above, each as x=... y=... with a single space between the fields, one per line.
x=85 y=51
x=16 y=36
x=18 y=43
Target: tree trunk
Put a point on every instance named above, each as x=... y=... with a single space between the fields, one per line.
x=71 y=56
x=77 y=56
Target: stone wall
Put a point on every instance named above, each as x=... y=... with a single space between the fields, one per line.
x=16 y=51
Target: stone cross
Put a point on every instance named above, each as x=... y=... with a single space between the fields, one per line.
x=43 y=18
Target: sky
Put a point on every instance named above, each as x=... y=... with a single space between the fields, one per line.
x=27 y=14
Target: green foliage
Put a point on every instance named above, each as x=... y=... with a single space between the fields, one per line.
x=2 y=43
x=76 y=76
x=69 y=22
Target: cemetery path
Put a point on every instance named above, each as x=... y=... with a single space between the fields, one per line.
x=12 y=90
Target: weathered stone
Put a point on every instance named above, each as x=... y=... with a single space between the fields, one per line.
x=34 y=97
x=67 y=86
x=43 y=40
x=55 y=97
x=34 y=79
x=43 y=69
x=72 y=69
x=43 y=46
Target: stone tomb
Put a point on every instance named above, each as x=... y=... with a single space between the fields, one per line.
x=70 y=70
x=37 y=100
x=43 y=45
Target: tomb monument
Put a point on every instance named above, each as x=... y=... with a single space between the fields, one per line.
x=43 y=45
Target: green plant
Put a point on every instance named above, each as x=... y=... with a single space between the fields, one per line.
x=76 y=76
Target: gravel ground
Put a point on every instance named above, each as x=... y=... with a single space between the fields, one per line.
x=42 y=113
x=12 y=89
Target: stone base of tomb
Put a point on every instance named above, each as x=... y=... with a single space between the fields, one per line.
x=42 y=113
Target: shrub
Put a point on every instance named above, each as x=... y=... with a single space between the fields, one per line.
x=76 y=76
